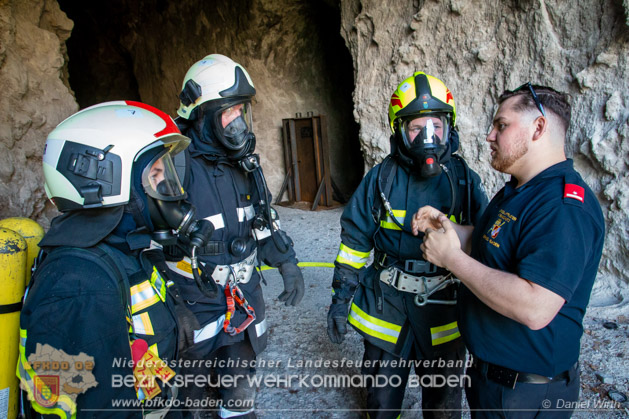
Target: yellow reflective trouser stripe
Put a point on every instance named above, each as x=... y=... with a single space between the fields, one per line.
x=351 y=257
x=142 y=324
x=158 y=284
x=399 y=215
x=372 y=326
x=64 y=407
x=142 y=296
x=443 y=334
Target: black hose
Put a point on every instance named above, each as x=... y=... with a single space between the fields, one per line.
x=213 y=293
x=452 y=189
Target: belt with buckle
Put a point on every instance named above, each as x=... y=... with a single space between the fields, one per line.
x=508 y=377
x=403 y=281
x=242 y=270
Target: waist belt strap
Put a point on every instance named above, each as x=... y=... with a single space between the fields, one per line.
x=422 y=286
x=403 y=281
x=411 y=266
x=243 y=269
x=508 y=377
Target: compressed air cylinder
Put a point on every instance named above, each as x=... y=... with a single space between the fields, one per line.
x=12 y=283
x=31 y=232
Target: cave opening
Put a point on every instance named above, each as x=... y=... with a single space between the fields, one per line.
x=293 y=50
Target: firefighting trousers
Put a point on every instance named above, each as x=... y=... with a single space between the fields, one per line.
x=225 y=386
x=438 y=400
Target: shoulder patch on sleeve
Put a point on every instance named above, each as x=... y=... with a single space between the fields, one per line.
x=574 y=191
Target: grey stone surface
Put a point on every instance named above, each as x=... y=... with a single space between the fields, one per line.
x=34 y=99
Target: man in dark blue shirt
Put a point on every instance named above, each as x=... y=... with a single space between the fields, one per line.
x=534 y=258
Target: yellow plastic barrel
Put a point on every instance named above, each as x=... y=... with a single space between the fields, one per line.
x=13 y=251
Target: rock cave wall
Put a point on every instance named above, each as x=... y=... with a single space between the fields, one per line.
x=292 y=49
x=480 y=48
x=35 y=98
x=477 y=47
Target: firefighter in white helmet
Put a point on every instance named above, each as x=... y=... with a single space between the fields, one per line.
x=100 y=299
x=227 y=186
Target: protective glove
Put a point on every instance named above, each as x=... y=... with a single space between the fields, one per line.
x=293 y=284
x=337 y=321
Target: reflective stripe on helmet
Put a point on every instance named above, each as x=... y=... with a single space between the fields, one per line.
x=418 y=94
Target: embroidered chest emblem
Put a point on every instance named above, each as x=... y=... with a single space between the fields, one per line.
x=492 y=233
x=495 y=229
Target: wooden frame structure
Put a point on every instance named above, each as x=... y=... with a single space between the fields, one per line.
x=307 y=162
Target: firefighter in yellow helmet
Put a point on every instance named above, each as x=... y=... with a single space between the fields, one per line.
x=402 y=305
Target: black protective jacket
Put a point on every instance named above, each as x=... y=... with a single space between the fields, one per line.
x=385 y=316
x=227 y=195
x=88 y=300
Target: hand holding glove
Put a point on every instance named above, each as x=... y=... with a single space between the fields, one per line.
x=293 y=284
x=337 y=321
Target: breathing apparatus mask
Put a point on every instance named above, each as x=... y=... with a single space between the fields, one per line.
x=170 y=213
x=425 y=140
x=230 y=124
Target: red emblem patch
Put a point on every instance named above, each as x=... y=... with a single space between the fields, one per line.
x=46 y=390
x=395 y=101
x=574 y=192
x=449 y=96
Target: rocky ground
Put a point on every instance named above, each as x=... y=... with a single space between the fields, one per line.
x=299 y=346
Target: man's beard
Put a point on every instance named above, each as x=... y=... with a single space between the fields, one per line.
x=502 y=162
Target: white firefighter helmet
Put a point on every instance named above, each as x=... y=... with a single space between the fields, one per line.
x=212 y=78
x=88 y=158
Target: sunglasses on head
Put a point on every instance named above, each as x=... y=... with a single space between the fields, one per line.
x=529 y=86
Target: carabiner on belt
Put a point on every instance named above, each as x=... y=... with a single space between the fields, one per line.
x=234 y=295
x=421 y=299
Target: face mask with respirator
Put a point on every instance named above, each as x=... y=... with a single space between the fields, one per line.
x=426 y=141
x=173 y=217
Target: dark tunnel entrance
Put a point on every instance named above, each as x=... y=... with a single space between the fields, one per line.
x=294 y=52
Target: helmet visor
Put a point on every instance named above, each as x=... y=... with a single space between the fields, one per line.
x=430 y=130
x=160 y=180
x=234 y=123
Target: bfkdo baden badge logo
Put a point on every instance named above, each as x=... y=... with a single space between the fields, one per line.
x=46 y=390
x=493 y=232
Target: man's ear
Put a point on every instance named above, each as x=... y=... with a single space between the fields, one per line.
x=540 y=126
